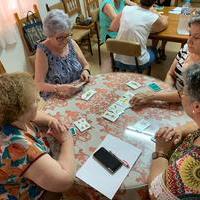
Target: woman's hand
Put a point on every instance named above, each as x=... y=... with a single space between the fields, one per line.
x=56 y=126
x=62 y=136
x=164 y=142
x=142 y=98
x=85 y=76
x=170 y=134
x=69 y=90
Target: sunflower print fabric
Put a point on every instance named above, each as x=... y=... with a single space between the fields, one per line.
x=183 y=173
x=18 y=150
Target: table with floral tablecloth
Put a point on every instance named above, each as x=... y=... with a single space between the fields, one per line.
x=110 y=87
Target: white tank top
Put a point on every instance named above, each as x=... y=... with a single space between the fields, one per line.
x=135 y=25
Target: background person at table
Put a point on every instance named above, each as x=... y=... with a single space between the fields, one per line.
x=135 y=24
x=109 y=9
x=178 y=177
x=27 y=169
x=163 y=2
x=59 y=60
x=188 y=55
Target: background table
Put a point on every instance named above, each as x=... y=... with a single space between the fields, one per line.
x=110 y=87
x=170 y=33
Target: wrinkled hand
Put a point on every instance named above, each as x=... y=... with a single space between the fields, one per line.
x=170 y=134
x=164 y=139
x=85 y=76
x=140 y=99
x=56 y=126
x=59 y=131
x=69 y=90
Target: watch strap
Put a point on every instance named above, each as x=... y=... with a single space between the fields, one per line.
x=156 y=155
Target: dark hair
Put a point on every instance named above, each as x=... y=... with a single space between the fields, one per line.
x=192 y=81
x=147 y=3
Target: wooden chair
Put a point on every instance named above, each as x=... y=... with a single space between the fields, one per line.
x=126 y=48
x=2 y=69
x=93 y=11
x=78 y=34
x=20 y=23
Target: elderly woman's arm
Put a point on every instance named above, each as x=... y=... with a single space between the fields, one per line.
x=86 y=67
x=52 y=175
x=41 y=68
x=170 y=77
x=109 y=11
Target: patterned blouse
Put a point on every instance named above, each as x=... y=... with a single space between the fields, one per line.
x=61 y=70
x=18 y=150
x=183 y=173
x=181 y=57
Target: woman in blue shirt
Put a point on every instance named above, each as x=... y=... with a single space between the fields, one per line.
x=109 y=9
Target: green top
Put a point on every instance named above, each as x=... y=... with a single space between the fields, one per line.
x=105 y=21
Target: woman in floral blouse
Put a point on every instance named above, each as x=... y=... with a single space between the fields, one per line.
x=175 y=174
x=26 y=168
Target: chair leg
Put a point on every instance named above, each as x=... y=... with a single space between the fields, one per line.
x=149 y=70
x=99 y=53
x=89 y=45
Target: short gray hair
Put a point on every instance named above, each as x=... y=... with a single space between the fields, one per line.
x=195 y=19
x=192 y=81
x=56 y=21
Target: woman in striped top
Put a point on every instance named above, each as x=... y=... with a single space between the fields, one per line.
x=189 y=54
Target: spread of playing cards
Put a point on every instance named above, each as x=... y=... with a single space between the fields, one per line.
x=107 y=105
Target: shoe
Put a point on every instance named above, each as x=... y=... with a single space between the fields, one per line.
x=161 y=53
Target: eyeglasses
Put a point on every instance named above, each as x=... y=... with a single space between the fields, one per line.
x=195 y=37
x=62 y=38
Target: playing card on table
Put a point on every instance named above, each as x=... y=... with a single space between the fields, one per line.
x=116 y=109
x=73 y=131
x=141 y=125
x=124 y=103
x=110 y=116
x=133 y=84
x=154 y=86
x=87 y=95
x=82 y=124
x=128 y=95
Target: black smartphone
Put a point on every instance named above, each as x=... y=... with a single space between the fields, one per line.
x=108 y=160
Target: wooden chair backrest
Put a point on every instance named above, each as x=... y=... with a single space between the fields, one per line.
x=72 y=7
x=2 y=69
x=59 y=6
x=20 y=23
x=123 y=47
x=92 y=6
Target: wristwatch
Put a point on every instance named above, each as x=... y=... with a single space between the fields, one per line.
x=156 y=155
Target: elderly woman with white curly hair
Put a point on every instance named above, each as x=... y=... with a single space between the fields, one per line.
x=59 y=60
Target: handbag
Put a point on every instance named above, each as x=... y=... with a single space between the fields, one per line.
x=83 y=22
x=33 y=31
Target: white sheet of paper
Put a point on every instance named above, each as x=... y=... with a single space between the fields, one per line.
x=96 y=176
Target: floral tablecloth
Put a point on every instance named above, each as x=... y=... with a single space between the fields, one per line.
x=110 y=87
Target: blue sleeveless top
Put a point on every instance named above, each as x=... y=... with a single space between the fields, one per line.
x=61 y=70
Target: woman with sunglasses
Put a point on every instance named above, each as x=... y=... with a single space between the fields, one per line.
x=189 y=54
x=59 y=60
x=175 y=170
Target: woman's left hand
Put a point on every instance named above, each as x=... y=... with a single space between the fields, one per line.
x=85 y=76
x=163 y=145
x=56 y=126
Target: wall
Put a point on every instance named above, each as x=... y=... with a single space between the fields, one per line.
x=13 y=57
